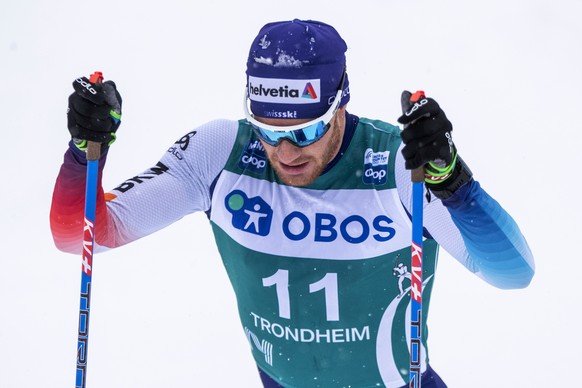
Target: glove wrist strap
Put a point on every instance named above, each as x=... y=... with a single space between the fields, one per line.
x=457 y=177
x=436 y=175
x=81 y=144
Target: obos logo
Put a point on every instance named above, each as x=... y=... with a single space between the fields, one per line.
x=252 y=215
x=253 y=158
x=375 y=167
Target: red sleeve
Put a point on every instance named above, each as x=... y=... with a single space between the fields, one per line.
x=68 y=207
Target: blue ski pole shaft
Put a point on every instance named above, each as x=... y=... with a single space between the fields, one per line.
x=93 y=155
x=417 y=177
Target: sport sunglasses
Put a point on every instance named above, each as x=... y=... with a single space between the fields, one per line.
x=301 y=135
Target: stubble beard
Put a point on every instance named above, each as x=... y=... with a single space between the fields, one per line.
x=317 y=165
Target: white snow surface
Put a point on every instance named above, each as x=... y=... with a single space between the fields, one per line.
x=507 y=74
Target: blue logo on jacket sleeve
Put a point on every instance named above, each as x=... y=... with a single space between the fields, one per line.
x=252 y=215
x=375 y=167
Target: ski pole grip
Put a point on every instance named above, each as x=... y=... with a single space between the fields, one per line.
x=417 y=175
x=93 y=150
x=93 y=147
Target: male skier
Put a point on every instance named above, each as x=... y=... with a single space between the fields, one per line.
x=310 y=208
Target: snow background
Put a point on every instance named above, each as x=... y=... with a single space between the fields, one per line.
x=507 y=73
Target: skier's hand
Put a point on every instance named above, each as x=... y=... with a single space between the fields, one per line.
x=426 y=133
x=94 y=112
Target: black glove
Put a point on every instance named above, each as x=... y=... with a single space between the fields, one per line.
x=94 y=112
x=428 y=143
x=427 y=132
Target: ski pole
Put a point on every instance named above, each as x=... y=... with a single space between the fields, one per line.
x=93 y=154
x=417 y=178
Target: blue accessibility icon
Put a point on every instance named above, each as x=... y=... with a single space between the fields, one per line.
x=252 y=215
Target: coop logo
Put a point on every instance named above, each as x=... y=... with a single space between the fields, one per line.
x=253 y=158
x=375 y=167
x=254 y=215
x=284 y=91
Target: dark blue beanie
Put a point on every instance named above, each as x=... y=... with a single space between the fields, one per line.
x=295 y=68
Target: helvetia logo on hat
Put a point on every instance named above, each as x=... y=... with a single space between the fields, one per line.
x=284 y=91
